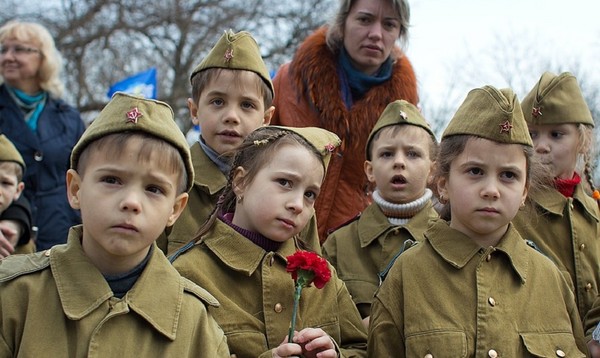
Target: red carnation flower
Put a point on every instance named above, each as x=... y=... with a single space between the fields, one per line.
x=306 y=267
x=309 y=267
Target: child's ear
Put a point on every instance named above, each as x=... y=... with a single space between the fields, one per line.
x=369 y=171
x=180 y=202
x=19 y=191
x=193 y=107
x=238 y=182
x=441 y=188
x=73 y=185
x=268 y=115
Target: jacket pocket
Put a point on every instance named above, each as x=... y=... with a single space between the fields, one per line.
x=437 y=344
x=559 y=344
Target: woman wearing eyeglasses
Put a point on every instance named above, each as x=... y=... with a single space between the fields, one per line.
x=42 y=126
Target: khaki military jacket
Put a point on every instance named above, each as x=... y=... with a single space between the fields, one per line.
x=256 y=295
x=567 y=230
x=363 y=251
x=208 y=185
x=448 y=297
x=209 y=181
x=57 y=304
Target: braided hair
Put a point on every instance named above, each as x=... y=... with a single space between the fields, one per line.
x=253 y=154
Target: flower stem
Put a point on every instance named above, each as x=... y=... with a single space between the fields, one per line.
x=295 y=311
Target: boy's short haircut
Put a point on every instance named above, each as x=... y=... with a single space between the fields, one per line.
x=202 y=79
x=433 y=145
x=111 y=145
x=127 y=113
x=18 y=170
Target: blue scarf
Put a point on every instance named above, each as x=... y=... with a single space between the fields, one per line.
x=223 y=165
x=32 y=106
x=355 y=83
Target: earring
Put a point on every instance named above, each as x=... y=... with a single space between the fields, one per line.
x=443 y=200
x=240 y=198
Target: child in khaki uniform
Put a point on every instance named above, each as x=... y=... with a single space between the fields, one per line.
x=15 y=214
x=400 y=152
x=565 y=226
x=232 y=95
x=473 y=287
x=240 y=253
x=109 y=292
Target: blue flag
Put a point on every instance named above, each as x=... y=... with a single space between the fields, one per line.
x=141 y=84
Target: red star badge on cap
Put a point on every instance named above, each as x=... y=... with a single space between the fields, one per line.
x=505 y=127
x=228 y=54
x=536 y=112
x=133 y=115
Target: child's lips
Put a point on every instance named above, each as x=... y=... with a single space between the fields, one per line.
x=489 y=210
x=230 y=134
x=126 y=227
x=398 y=180
x=288 y=223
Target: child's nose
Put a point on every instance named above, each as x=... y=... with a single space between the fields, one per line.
x=131 y=202
x=231 y=116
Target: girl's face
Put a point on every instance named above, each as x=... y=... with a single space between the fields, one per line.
x=485 y=188
x=279 y=201
x=557 y=146
x=370 y=31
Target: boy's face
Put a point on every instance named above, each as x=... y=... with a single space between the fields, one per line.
x=401 y=163
x=125 y=204
x=230 y=107
x=10 y=186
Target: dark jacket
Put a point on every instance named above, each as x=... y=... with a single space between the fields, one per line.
x=46 y=154
x=20 y=211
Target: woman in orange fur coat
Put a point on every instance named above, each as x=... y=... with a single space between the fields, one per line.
x=341 y=79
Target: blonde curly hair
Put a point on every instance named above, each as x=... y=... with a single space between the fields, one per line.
x=39 y=36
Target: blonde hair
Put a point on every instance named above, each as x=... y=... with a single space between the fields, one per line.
x=38 y=35
x=335 y=32
x=586 y=150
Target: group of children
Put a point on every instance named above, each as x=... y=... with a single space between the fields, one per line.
x=510 y=268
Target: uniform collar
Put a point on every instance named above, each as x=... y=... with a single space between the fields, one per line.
x=82 y=288
x=552 y=201
x=227 y=244
x=212 y=179
x=376 y=224
x=457 y=249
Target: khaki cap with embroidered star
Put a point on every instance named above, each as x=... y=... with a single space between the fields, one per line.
x=398 y=112
x=236 y=51
x=492 y=114
x=10 y=153
x=124 y=113
x=556 y=99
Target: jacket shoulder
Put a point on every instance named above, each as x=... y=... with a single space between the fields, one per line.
x=345 y=225
x=199 y=292
x=15 y=266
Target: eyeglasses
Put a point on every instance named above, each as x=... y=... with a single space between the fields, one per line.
x=18 y=50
